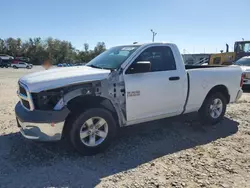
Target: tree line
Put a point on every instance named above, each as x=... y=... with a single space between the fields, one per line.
x=56 y=51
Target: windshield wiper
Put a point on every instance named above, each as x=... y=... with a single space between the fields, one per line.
x=94 y=66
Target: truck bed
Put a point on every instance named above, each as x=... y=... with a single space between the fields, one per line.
x=201 y=79
x=202 y=66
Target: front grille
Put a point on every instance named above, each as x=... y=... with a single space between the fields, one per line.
x=25 y=97
x=22 y=90
x=26 y=104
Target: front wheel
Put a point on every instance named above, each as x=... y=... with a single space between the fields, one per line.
x=93 y=131
x=213 y=108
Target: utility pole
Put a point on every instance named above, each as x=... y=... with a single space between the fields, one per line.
x=154 y=34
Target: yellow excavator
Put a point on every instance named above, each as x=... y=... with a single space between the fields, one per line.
x=241 y=49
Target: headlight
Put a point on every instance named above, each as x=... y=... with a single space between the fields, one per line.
x=46 y=100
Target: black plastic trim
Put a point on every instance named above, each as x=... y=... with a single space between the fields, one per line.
x=39 y=116
x=188 y=91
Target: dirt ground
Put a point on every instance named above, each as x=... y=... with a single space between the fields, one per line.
x=177 y=152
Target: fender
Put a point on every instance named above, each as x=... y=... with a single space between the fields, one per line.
x=94 y=90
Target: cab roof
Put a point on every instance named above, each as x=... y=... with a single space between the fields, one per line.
x=145 y=44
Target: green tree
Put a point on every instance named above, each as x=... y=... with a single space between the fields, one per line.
x=2 y=46
x=57 y=51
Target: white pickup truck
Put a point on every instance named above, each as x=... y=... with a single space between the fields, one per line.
x=244 y=63
x=123 y=86
x=21 y=64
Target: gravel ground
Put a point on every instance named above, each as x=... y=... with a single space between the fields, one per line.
x=177 y=152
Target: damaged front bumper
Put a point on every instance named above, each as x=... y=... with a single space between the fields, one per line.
x=41 y=125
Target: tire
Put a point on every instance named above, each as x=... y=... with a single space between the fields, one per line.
x=83 y=122
x=15 y=67
x=212 y=112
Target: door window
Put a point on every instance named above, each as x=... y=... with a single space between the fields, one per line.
x=161 y=58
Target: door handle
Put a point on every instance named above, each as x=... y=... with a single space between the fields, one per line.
x=174 y=78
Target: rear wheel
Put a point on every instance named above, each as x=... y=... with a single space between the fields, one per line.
x=213 y=108
x=92 y=131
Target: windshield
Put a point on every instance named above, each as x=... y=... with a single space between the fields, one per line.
x=243 y=47
x=112 y=58
x=243 y=62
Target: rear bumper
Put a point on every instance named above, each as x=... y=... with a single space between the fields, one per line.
x=40 y=125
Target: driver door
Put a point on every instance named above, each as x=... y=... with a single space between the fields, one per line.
x=157 y=92
x=21 y=65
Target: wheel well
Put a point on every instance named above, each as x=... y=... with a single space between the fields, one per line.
x=82 y=103
x=220 y=89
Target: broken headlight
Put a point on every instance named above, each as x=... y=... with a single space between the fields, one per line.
x=46 y=100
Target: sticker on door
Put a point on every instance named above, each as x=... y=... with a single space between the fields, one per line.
x=133 y=93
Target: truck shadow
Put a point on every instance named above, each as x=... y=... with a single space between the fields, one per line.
x=24 y=160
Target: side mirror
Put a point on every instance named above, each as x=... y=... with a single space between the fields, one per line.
x=140 y=67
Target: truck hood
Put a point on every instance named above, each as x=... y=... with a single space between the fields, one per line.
x=59 y=77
